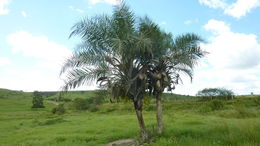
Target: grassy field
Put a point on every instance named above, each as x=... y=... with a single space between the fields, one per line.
x=187 y=123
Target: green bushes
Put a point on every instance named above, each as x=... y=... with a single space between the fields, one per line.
x=216 y=104
x=90 y=104
x=212 y=105
x=243 y=112
x=80 y=104
x=37 y=100
x=149 y=107
x=60 y=109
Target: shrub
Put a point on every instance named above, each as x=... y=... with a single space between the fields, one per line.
x=149 y=107
x=205 y=108
x=93 y=108
x=89 y=103
x=216 y=104
x=37 y=100
x=99 y=97
x=59 y=109
x=243 y=112
x=80 y=104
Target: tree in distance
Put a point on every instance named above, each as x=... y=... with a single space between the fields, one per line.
x=211 y=93
x=37 y=101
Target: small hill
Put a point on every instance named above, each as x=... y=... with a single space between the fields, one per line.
x=6 y=93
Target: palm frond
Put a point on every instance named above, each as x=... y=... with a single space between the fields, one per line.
x=83 y=75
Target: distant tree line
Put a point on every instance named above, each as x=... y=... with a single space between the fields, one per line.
x=216 y=93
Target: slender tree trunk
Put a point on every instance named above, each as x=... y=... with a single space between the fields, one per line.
x=159 y=113
x=139 y=114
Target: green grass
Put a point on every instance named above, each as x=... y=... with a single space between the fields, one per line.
x=238 y=123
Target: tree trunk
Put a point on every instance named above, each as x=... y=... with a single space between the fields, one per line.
x=139 y=114
x=159 y=114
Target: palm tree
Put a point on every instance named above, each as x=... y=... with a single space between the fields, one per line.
x=170 y=58
x=112 y=52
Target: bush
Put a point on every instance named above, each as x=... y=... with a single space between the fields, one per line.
x=149 y=107
x=80 y=104
x=89 y=103
x=243 y=112
x=93 y=108
x=216 y=104
x=59 y=109
x=37 y=100
x=205 y=108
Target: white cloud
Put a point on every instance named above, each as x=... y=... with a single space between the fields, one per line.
x=213 y=3
x=233 y=62
x=237 y=9
x=33 y=79
x=76 y=9
x=241 y=7
x=3 y=9
x=4 y=61
x=217 y=26
x=44 y=74
x=37 y=46
x=24 y=14
x=231 y=50
x=111 y=2
x=49 y=54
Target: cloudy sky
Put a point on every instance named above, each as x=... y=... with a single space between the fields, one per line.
x=34 y=39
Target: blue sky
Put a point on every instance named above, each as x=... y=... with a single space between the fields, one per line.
x=34 y=39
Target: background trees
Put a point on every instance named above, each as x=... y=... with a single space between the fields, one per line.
x=220 y=93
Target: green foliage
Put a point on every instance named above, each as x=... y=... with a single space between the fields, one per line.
x=60 y=109
x=219 y=93
x=80 y=104
x=37 y=101
x=93 y=108
x=212 y=105
x=150 y=107
x=216 y=104
x=243 y=112
x=90 y=103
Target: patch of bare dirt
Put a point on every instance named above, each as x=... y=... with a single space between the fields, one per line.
x=124 y=142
